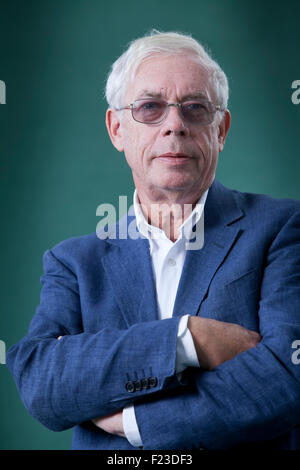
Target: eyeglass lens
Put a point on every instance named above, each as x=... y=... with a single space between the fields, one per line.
x=154 y=111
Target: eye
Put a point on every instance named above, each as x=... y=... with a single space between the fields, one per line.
x=195 y=106
x=150 y=105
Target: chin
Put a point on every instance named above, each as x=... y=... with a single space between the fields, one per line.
x=173 y=186
x=183 y=180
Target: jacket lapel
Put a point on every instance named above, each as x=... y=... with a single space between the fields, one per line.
x=220 y=233
x=128 y=266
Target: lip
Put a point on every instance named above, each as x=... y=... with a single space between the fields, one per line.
x=174 y=158
x=174 y=155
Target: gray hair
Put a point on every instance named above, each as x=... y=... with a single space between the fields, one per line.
x=123 y=70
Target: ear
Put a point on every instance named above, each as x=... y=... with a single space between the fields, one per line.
x=113 y=125
x=223 y=129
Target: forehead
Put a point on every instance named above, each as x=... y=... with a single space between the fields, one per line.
x=170 y=76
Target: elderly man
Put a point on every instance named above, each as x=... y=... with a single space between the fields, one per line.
x=147 y=341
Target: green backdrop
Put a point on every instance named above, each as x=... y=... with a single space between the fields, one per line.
x=57 y=163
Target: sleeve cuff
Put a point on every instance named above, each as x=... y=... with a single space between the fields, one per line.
x=130 y=426
x=186 y=355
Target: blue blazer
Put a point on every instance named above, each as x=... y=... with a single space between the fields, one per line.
x=100 y=296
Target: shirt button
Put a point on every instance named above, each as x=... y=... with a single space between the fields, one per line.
x=171 y=262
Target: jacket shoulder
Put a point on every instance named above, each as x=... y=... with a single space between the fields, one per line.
x=78 y=251
x=268 y=206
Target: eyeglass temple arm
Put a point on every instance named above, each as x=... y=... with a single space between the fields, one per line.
x=124 y=107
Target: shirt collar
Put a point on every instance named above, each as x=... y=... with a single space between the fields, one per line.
x=151 y=231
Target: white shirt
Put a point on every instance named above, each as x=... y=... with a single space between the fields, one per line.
x=167 y=263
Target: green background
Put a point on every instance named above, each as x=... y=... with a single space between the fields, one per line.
x=57 y=162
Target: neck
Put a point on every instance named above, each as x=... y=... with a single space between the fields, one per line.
x=167 y=210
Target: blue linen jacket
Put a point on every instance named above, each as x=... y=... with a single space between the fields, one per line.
x=100 y=296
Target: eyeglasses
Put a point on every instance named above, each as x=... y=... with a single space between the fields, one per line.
x=154 y=111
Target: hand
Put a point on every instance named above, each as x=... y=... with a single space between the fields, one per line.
x=112 y=424
x=216 y=341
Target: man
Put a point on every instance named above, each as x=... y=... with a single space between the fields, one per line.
x=144 y=341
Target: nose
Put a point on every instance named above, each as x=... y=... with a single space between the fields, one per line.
x=173 y=123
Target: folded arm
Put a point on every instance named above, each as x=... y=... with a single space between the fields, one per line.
x=252 y=397
x=84 y=375
x=213 y=342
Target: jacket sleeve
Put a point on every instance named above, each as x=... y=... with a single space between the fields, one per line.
x=256 y=395
x=82 y=376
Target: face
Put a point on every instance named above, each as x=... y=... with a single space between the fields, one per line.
x=173 y=157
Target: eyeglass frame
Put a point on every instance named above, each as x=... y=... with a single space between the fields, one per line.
x=178 y=105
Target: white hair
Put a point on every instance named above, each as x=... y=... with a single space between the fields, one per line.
x=123 y=70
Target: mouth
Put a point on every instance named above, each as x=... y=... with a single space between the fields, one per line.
x=174 y=158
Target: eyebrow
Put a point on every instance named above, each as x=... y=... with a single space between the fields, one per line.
x=153 y=94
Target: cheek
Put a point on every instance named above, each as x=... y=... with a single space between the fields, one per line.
x=137 y=150
x=211 y=143
x=138 y=146
x=131 y=144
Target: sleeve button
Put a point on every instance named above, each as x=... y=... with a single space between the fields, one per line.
x=152 y=381
x=138 y=385
x=145 y=383
x=130 y=387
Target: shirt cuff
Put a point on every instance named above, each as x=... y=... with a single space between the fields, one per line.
x=186 y=355
x=130 y=426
